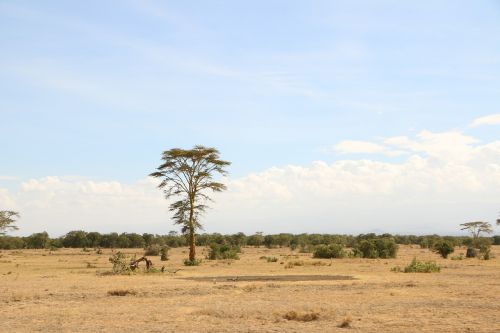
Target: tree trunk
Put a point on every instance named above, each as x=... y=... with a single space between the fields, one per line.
x=192 y=249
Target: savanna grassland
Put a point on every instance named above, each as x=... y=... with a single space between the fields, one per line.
x=70 y=290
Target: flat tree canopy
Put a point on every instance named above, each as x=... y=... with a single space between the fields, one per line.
x=187 y=175
x=476 y=228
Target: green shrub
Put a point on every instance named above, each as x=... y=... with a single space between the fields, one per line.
x=329 y=251
x=376 y=248
x=422 y=267
x=152 y=250
x=444 y=248
x=223 y=251
x=164 y=253
x=119 y=262
x=195 y=262
x=485 y=250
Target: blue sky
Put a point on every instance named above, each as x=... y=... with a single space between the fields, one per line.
x=97 y=89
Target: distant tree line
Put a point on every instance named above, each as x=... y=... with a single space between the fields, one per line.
x=302 y=242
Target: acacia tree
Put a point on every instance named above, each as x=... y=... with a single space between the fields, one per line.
x=187 y=175
x=7 y=220
x=476 y=228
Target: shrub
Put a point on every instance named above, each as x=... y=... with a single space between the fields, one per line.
x=444 y=248
x=376 y=248
x=329 y=251
x=224 y=251
x=195 y=262
x=422 y=267
x=152 y=250
x=119 y=263
x=164 y=253
x=496 y=240
x=485 y=250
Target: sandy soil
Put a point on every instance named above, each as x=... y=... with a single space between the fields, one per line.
x=62 y=291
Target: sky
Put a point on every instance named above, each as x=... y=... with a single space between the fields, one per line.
x=337 y=116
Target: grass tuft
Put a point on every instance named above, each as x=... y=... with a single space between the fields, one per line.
x=121 y=292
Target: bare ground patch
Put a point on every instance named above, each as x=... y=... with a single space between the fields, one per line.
x=265 y=278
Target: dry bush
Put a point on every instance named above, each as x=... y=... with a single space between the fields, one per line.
x=292 y=264
x=121 y=292
x=249 y=288
x=306 y=316
x=346 y=323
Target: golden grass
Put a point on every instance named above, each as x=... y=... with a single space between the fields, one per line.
x=67 y=291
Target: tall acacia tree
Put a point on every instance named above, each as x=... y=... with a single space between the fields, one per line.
x=187 y=175
x=7 y=220
x=476 y=228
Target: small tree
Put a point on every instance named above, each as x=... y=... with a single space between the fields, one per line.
x=7 y=220
x=188 y=176
x=476 y=228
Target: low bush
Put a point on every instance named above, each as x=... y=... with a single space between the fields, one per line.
x=152 y=250
x=444 y=248
x=164 y=253
x=329 y=251
x=120 y=265
x=422 y=267
x=376 y=248
x=485 y=251
x=223 y=251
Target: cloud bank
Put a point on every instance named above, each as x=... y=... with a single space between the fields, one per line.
x=443 y=179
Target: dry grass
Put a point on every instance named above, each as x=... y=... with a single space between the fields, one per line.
x=307 y=316
x=121 y=292
x=58 y=293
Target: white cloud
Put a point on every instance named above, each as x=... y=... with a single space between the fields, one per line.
x=493 y=119
x=447 y=179
x=353 y=146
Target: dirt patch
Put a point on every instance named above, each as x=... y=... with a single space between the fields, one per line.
x=249 y=278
